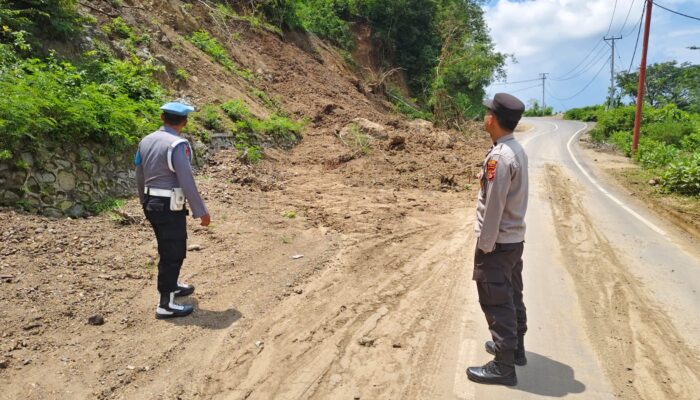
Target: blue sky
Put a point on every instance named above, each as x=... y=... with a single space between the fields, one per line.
x=556 y=36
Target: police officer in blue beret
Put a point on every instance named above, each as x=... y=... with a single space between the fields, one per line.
x=164 y=178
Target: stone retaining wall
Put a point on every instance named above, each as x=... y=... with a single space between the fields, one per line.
x=67 y=183
x=68 y=180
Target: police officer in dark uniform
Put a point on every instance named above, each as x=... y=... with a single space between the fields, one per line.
x=500 y=229
x=164 y=178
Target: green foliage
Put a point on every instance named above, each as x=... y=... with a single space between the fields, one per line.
x=105 y=205
x=536 y=110
x=587 y=114
x=683 y=176
x=250 y=131
x=668 y=132
x=182 y=75
x=358 y=140
x=666 y=83
x=653 y=154
x=623 y=141
x=117 y=28
x=272 y=103
x=291 y=214
x=322 y=18
x=205 y=42
x=236 y=110
x=407 y=107
x=112 y=102
x=210 y=118
x=52 y=19
x=467 y=62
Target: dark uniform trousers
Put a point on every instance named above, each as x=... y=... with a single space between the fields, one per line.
x=499 y=281
x=170 y=228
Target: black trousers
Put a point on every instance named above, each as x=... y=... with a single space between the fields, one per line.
x=499 y=281
x=170 y=228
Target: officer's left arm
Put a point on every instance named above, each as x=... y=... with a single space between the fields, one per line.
x=183 y=170
x=498 y=182
x=140 y=179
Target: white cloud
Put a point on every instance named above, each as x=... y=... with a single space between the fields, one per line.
x=555 y=35
x=532 y=27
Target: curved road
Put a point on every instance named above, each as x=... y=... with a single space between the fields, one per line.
x=612 y=291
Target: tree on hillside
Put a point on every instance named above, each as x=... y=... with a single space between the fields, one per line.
x=666 y=83
x=468 y=62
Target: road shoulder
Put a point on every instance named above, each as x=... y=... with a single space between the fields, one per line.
x=625 y=176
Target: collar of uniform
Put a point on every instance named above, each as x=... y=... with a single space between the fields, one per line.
x=505 y=138
x=169 y=130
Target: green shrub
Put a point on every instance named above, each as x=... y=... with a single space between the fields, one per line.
x=407 y=107
x=321 y=17
x=653 y=154
x=111 y=102
x=117 y=28
x=616 y=119
x=278 y=127
x=691 y=142
x=669 y=131
x=182 y=75
x=623 y=141
x=210 y=118
x=586 y=114
x=203 y=41
x=52 y=19
x=236 y=110
x=683 y=176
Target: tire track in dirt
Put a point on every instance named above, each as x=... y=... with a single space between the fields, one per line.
x=396 y=290
x=642 y=352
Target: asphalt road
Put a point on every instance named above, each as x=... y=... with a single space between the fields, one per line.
x=608 y=286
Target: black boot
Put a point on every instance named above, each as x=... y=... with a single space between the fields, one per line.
x=500 y=371
x=184 y=289
x=520 y=358
x=169 y=309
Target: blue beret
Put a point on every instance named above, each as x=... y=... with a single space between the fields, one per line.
x=177 y=108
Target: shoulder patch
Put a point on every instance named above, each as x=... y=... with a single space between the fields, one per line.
x=491 y=169
x=188 y=152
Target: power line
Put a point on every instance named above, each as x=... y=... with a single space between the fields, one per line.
x=626 y=18
x=637 y=42
x=563 y=106
x=581 y=62
x=513 y=83
x=675 y=12
x=612 y=18
x=602 y=53
x=523 y=89
x=585 y=87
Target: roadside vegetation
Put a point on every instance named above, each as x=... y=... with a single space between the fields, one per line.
x=669 y=144
x=536 y=110
x=99 y=98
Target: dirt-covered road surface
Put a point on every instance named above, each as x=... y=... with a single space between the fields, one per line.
x=380 y=306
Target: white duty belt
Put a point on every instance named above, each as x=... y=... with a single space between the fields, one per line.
x=158 y=192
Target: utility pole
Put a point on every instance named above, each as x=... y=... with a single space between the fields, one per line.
x=612 y=69
x=642 y=77
x=543 y=76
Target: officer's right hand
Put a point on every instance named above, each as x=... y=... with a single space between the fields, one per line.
x=205 y=220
